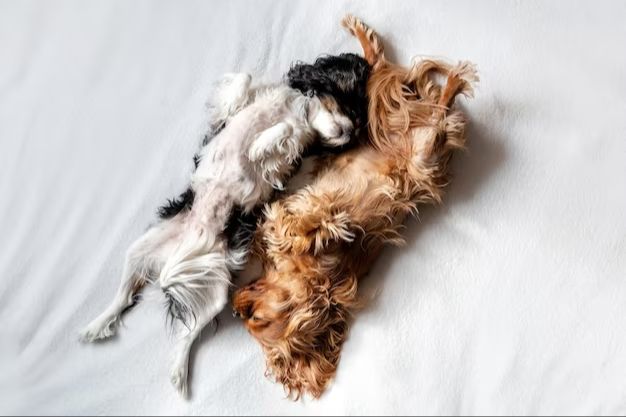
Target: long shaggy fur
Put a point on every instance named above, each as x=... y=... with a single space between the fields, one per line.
x=318 y=242
x=257 y=138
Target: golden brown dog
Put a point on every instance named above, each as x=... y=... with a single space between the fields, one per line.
x=316 y=243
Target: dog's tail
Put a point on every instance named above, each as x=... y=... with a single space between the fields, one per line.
x=195 y=276
x=370 y=42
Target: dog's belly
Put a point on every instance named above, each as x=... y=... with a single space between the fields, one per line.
x=364 y=167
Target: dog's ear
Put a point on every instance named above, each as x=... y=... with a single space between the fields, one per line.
x=306 y=359
x=350 y=73
x=308 y=79
x=341 y=75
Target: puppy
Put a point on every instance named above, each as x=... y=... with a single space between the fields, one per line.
x=317 y=243
x=262 y=135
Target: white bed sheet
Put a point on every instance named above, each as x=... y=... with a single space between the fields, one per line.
x=509 y=298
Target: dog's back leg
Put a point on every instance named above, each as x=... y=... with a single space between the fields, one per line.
x=195 y=282
x=142 y=255
x=432 y=145
x=214 y=302
x=461 y=80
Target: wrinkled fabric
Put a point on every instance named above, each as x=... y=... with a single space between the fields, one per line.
x=508 y=298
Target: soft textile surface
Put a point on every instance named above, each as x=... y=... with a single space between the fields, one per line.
x=509 y=298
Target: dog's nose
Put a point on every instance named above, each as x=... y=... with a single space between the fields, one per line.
x=236 y=313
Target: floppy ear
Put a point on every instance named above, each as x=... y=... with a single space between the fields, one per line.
x=308 y=79
x=332 y=75
x=307 y=359
x=348 y=71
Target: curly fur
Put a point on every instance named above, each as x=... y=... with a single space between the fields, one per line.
x=257 y=138
x=317 y=243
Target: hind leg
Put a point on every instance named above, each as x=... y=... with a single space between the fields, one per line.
x=447 y=133
x=216 y=300
x=461 y=80
x=139 y=259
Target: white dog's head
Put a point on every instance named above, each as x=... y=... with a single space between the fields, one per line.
x=339 y=82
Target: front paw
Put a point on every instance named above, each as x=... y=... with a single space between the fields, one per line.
x=271 y=142
x=336 y=131
x=336 y=141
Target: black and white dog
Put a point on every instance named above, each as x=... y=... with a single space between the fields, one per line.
x=262 y=133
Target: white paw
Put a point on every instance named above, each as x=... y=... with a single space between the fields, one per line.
x=237 y=78
x=271 y=141
x=179 y=380
x=231 y=95
x=233 y=92
x=334 y=129
x=337 y=141
x=256 y=152
x=98 y=329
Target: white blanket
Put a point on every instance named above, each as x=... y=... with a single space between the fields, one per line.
x=509 y=298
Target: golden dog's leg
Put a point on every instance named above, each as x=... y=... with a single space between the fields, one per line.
x=445 y=134
x=460 y=81
x=369 y=40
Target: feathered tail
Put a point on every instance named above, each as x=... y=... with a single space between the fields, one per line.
x=193 y=275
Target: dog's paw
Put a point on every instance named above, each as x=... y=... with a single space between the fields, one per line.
x=335 y=129
x=467 y=73
x=237 y=79
x=338 y=141
x=98 y=330
x=179 y=380
x=272 y=142
x=233 y=92
x=230 y=96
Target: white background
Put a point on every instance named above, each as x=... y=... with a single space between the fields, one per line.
x=509 y=298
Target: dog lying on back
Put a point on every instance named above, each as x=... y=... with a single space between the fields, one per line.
x=262 y=136
x=318 y=242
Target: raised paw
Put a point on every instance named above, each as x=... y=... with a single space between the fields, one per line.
x=333 y=127
x=467 y=74
x=271 y=141
x=230 y=96
x=234 y=88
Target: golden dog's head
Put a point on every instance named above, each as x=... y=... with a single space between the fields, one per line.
x=299 y=313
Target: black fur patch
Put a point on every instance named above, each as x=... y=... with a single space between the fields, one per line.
x=207 y=138
x=196 y=161
x=342 y=77
x=240 y=228
x=178 y=311
x=185 y=200
x=176 y=205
